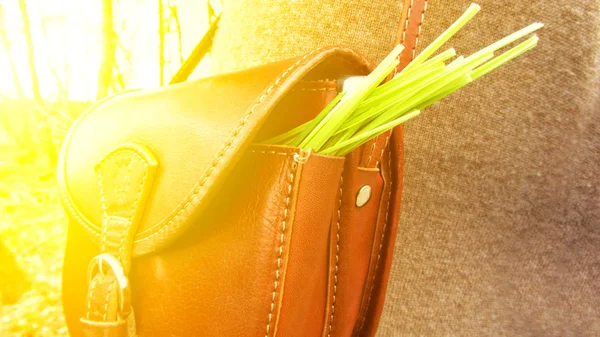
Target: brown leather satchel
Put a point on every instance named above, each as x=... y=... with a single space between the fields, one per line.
x=182 y=223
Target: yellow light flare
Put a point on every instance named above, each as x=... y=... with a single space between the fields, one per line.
x=68 y=48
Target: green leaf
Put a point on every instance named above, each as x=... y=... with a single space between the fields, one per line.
x=326 y=127
x=505 y=57
x=289 y=138
x=369 y=109
x=445 y=36
x=342 y=148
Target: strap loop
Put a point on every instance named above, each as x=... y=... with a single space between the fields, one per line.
x=95 y=269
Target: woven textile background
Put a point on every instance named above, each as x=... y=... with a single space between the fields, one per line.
x=254 y=32
x=500 y=227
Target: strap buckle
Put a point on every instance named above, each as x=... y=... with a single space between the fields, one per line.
x=96 y=267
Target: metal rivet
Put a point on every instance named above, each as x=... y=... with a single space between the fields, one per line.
x=363 y=196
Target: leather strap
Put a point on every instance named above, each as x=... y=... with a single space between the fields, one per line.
x=411 y=23
x=125 y=179
x=374 y=152
x=103 y=329
x=410 y=29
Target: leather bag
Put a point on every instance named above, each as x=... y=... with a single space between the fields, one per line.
x=183 y=223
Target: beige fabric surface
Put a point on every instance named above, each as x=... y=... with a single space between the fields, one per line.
x=500 y=226
x=254 y=32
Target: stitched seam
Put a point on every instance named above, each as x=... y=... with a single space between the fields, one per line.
x=281 y=243
x=387 y=138
x=110 y=288
x=136 y=204
x=318 y=81
x=91 y=294
x=107 y=223
x=337 y=252
x=387 y=212
x=104 y=211
x=419 y=29
x=103 y=247
x=402 y=39
x=92 y=231
x=140 y=187
x=390 y=161
x=226 y=146
x=407 y=19
x=130 y=214
x=62 y=183
x=404 y=30
x=315 y=89
x=273 y=152
x=372 y=150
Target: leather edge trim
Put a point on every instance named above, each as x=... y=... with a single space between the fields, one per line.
x=373 y=314
x=295 y=174
x=377 y=242
x=405 y=58
x=332 y=286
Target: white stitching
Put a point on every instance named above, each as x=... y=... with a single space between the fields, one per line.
x=136 y=204
x=316 y=89
x=372 y=150
x=224 y=149
x=106 y=221
x=91 y=294
x=404 y=29
x=110 y=288
x=387 y=138
x=273 y=152
x=319 y=81
x=281 y=242
x=419 y=29
x=93 y=231
x=131 y=214
x=337 y=252
x=104 y=211
x=413 y=56
x=390 y=165
x=215 y=161
x=409 y=12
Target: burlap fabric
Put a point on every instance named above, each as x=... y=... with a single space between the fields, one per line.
x=500 y=227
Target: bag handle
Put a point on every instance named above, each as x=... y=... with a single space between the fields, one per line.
x=202 y=48
x=411 y=24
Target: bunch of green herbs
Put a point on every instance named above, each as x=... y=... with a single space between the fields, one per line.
x=367 y=109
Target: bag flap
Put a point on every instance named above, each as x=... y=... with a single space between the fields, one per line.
x=194 y=133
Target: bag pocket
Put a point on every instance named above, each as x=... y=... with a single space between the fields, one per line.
x=263 y=243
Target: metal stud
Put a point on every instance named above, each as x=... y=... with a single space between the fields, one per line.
x=363 y=196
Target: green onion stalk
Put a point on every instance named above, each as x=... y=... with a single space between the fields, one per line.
x=368 y=108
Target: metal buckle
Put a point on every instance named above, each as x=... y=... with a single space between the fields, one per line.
x=114 y=265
